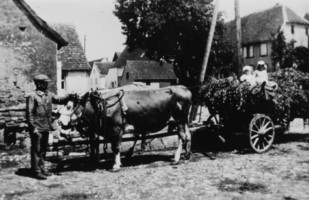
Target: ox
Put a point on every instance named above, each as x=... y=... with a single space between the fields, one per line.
x=147 y=110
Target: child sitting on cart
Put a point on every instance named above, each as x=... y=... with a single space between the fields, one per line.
x=260 y=74
x=248 y=75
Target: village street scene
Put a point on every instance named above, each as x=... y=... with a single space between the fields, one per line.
x=157 y=99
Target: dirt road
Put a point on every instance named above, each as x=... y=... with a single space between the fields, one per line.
x=280 y=173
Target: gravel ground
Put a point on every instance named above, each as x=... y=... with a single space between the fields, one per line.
x=236 y=173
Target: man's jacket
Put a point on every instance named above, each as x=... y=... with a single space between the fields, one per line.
x=39 y=110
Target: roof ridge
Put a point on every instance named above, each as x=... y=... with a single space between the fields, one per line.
x=284 y=16
x=62 y=24
x=264 y=10
x=39 y=22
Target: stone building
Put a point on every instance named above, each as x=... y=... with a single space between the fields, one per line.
x=28 y=46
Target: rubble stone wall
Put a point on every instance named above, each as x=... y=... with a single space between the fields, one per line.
x=24 y=52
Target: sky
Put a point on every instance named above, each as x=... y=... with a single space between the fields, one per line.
x=95 y=21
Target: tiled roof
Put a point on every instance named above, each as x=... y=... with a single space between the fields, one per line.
x=103 y=67
x=295 y=19
x=137 y=54
x=40 y=23
x=91 y=63
x=150 y=70
x=116 y=56
x=307 y=16
x=262 y=26
x=72 y=56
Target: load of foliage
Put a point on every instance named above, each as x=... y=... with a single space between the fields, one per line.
x=236 y=102
x=292 y=100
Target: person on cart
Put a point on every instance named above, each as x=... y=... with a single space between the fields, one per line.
x=260 y=74
x=248 y=75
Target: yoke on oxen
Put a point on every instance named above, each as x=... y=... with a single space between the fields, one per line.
x=147 y=110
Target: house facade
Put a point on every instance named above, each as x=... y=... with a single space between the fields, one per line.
x=152 y=73
x=258 y=30
x=72 y=67
x=99 y=75
x=135 y=66
x=28 y=46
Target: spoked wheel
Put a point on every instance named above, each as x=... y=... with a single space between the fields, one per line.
x=262 y=133
x=213 y=119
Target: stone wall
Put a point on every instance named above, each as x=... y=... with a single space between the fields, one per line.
x=24 y=52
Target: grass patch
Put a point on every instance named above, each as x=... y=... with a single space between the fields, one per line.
x=56 y=185
x=76 y=196
x=289 y=198
x=252 y=187
x=10 y=196
x=230 y=185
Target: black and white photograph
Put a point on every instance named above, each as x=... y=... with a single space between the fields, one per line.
x=154 y=99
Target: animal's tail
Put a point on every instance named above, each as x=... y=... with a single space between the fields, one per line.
x=184 y=99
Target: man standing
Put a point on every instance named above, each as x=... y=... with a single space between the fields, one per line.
x=38 y=114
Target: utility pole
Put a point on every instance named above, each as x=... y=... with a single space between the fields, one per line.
x=209 y=42
x=238 y=39
x=194 y=108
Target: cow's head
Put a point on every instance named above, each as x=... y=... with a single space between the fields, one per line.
x=77 y=114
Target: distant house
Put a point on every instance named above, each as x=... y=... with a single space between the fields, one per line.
x=28 y=46
x=116 y=56
x=259 y=29
x=151 y=73
x=91 y=63
x=135 y=66
x=307 y=16
x=127 y=54
x=98 y=76
x=73 y=67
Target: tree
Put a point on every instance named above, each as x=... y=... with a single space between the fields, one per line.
x=173 y=30
x=286 y=55
x=301 y=56
x=279 y=47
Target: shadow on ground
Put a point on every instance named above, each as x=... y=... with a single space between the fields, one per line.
x=204 y=144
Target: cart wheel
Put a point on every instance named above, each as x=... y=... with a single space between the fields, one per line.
x=262 y=133
x=213 y=119
x=215 y=123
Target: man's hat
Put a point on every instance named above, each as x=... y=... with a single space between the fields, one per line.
x=41 y=77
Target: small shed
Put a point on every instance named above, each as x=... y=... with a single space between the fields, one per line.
x=151 y=73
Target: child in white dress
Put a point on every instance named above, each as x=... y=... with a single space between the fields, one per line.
x=247 y=75
x=260 y=73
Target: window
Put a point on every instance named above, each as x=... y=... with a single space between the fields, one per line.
x=250 y=52
x=127 y=75
x=244 y=51
x=306 y=30
x=63 y=80
x=292 y=29
x=263 y=49
x=22 y=28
